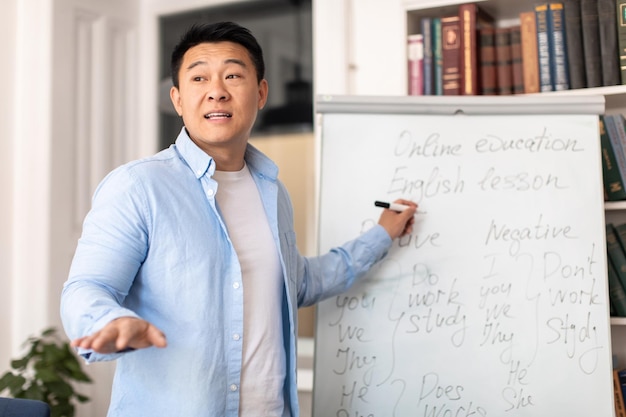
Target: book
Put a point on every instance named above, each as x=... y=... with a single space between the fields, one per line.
x=621 y=38
x=620 y=411
x=504 y=68
x=427 y=72
x=517 y=64
x=591 y=42
x=614 y=125
x=617 y=295
x=613 y=185
x=574 y=40
x=609 y=53
x=530 y=57
x=543 y=48
x=558 y=47
x=620 y=230
x=415 y=53
x=451 y=43
x=437 y=57
x=615 y=252
x=471 y=19
x=488 y=74
x=622 y=380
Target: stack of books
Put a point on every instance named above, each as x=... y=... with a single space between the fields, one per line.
x=556 y=46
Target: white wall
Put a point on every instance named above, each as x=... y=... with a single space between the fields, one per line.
x=8 y=13
x=24 y=134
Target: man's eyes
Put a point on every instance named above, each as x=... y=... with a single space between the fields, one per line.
x=228 y=77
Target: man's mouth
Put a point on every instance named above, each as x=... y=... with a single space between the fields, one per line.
x=217 y=115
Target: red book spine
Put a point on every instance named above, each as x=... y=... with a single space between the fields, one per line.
x=488 y=75
x=472 y=19
x=517 y=63
x=451 y=44
x=503 y=61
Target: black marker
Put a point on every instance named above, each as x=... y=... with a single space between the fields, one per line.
x=391 y=206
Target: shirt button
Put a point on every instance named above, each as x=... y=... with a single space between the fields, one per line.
x=233 y=387
x=236 y=336
x=236 y=285
x=210 y=193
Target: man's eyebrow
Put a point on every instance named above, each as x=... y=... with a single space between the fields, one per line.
x=226 y=61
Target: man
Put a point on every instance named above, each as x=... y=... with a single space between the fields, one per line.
x=187 y=270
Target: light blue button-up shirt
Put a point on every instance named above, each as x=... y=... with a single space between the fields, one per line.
x=155 y=246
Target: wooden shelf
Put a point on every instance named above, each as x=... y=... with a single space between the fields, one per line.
x=618 y=321
x=614 y=205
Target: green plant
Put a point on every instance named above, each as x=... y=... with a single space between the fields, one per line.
x=46 y=373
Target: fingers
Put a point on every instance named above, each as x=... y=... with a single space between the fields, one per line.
x=102 y=342
x=121 y=334
x=156 y=337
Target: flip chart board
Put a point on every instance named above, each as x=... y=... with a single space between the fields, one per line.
x=496 y=304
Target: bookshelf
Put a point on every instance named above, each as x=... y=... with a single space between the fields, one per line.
x=351 y=58
x=506 y=13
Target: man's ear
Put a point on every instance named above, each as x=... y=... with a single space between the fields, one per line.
x=175 y=96
x=263 y=91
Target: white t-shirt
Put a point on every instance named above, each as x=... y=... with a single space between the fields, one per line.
x=263 y=363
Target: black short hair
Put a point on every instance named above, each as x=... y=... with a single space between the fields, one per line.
x=217 y=32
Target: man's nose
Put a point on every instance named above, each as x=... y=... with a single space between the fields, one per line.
x=217 y=91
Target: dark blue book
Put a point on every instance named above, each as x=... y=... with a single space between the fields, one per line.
x=557 y=47
x=543 y=48
x=591 y=42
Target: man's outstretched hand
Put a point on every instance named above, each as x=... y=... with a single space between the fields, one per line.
x=121 y=334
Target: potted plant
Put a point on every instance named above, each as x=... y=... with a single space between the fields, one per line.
x=47 y=373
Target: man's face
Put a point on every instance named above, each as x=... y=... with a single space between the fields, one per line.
x=219 y=95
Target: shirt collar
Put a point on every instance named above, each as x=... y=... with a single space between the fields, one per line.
x=196 y=158
x=202 y=164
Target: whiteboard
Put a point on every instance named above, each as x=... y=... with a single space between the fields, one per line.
x=497 y=303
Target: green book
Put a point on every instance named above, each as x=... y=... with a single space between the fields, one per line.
x=617 y=260
x=615 y=252
x=437 y=57
x=617 y=295
x=612 y=178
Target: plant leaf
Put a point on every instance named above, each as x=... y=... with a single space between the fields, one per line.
x=19 y=363
x=50 y=331
x=11 y=382
x=34 y=393
x=61 y=389
x=15 y=383
x=82 y=398
x=62 y=410
x=46 y=375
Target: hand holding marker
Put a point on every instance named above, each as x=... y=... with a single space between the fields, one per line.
x=391 y=206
